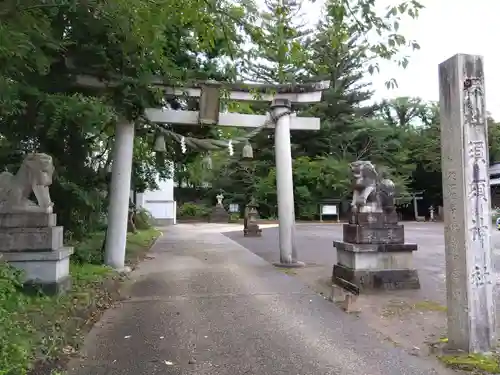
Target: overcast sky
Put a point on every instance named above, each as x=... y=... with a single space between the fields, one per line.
x=444 y=28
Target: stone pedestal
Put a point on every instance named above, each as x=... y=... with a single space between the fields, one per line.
x=374 y=255
x=219 y=215
x=33 y=243
x=252 y=230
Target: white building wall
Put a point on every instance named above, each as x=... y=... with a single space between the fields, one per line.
x=160 y=203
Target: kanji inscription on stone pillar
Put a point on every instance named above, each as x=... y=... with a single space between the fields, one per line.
x=467 y=204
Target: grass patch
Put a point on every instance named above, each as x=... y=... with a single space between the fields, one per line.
x=487 y=364
x=38 y=333
x=138 y=242
x=288 y=271
x=429 y=306
x=401 y=307
x=90 y=250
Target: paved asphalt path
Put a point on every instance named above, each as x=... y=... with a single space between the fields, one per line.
x=315 y=248
x=205 y=305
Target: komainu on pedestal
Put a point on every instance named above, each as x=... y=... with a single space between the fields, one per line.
x=29 y=237
x=373 y=253
x=219 y=213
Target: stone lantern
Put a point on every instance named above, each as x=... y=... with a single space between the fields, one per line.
x=251 y=228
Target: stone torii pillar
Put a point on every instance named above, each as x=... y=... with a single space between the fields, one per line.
x=467 y=205
x=284 y=184
x=118 y=209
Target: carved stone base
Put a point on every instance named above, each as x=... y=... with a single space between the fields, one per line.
x=27 y=220
x=366 y=280
x=377 y=219
x=28 y=239
x=372 y=247
x=355 y=233
x=376 y=266
x=252 y=230
x=374 y=260
x=44 y=270
x=219 y=215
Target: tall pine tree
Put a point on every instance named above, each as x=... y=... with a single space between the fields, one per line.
x=278 y=53
x=277 y=56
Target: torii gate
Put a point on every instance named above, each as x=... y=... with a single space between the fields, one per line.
x=281 y=100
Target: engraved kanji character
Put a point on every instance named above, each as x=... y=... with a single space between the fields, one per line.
x=452 y=175
x=479 y=232
x=480 y=276
x=390 y=234
x=477 y=150
x=370 y=237
x=478 y=190
x=474 y=108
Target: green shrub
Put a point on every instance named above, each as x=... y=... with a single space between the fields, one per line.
x=234 y=217
x=89 y=250
x=15 y=340
x=143 y=219
x=37 y=329
x=308 y=211
x=189 y=209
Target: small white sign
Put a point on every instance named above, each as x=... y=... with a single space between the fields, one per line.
x=328 y=210
x=234 y=207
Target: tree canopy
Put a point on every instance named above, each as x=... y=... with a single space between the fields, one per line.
x=47 y=45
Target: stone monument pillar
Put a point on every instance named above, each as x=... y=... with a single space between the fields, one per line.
x=373 y=253
x=219 y=213
x=29 y=237
x=470 y=267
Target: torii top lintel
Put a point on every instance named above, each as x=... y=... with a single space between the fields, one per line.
x=310 y=92
x=304 y=93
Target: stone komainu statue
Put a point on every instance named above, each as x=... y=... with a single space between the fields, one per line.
x=371 y=192
x=34 y=176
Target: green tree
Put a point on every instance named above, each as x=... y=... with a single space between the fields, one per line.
x=278 y=53
x=44 y=107
x=342 y=53
x=341 y=110
x=424 y=145
x=338 y=49
x=403 y=111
